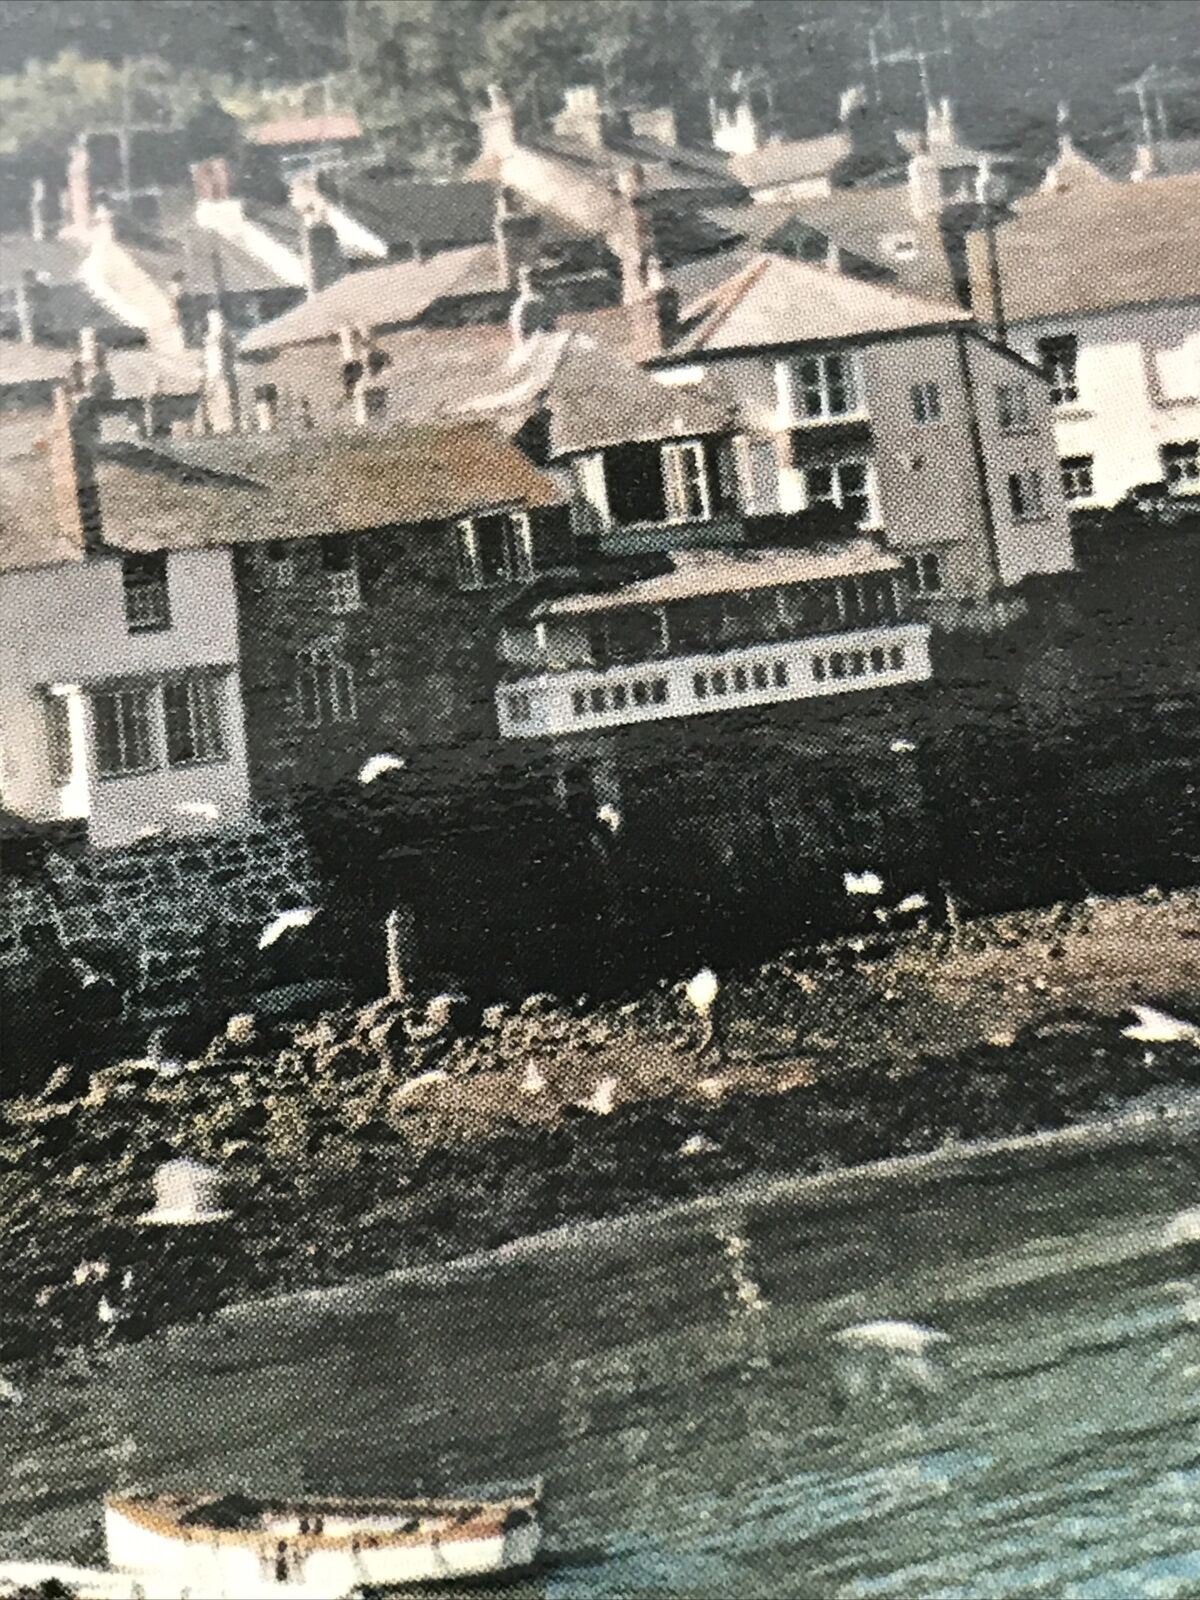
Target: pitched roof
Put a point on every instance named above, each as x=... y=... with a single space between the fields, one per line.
x=204 y=259
x=29 y=531
x=708 y=572
x=1178 y=156
x=790 y=160
x=53 y=260
x=1094 y=249
x=665 y=167
x=244 y=488
x=328 y=128
x=382 y=297
x=400 y=210
x=775 y=301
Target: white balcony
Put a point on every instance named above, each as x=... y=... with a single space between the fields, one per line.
x=582 y=700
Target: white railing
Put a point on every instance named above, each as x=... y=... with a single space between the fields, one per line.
x=726 y=680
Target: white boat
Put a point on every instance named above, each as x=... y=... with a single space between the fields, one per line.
x=238 y=1547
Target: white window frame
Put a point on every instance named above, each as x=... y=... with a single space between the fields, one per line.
x=147 y=600
x=926 y=401
x=677 y=482
x=343 y=585
x=127 y=697
x=917 y=569
x=836 y=497
x=1034 y=507
x=794 y=390
x=1078 y=477
x=1186 y=480
x=518 y=570
x=329 y=677
x=60 y=742
x=1061 y=378
x=205 y=713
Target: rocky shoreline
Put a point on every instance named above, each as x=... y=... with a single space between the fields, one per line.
x=386 y=1136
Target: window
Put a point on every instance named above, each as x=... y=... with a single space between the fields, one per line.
x=339 y=561
x=121 y=720
x=636 y=483
x=926 y=402
x=1025 y=496
x=1012 y=407
x=923 y=573
x=780 y=673
x=686 y=475
x=819 y=386
x=192 y=718
x=279 y=564
x=1059 y=355
x=896 y=656
x=878 y=662
x=1077 y=477
x=147 y=601
x=494 y=549
x=1181 y=464
x=720 y=683
x=520 y=707
x=325 y=687
x=622 y=636
x=818 y=668
x=837 y=664
x=658 y=691
x=741 y=680
x=374 y=404
x=700 y=685
x=578 y=702
x=599 y=700
x=59 y=754
x=847 y=485
x=760 y=675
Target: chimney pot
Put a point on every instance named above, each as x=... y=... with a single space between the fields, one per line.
x=31 y=306
x=73 y=470
x=222 y=403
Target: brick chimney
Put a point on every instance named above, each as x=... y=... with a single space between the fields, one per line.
x=924 y=183
x=222 y=405
x=663 y=301
x=74 y=488
x=632 y=241
x=37 y=209
x=654 y=122
x=518 y=235
x=531 y=311
x=78 y=194
x=582 y=116
x=210 y=179
x=323 y=263
x=497 y=126
x=31 y=306
x=737 y=128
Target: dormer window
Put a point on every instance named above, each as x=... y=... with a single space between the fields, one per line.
x=494 y=549
x=1059 y=362
x=815 y=387
x=339 y=562
x=147 y=599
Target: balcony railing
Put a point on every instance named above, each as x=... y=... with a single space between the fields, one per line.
x=687 y=686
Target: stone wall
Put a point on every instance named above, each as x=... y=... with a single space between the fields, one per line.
x=153 y=918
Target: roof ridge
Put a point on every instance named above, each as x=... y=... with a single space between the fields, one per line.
x=732 y=291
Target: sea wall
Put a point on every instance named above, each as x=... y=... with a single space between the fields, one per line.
x=150 y=926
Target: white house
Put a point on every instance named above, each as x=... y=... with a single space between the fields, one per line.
x=119 y=695
x=1100 y=286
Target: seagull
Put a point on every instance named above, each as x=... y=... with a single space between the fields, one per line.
x=90 y=1272
x=375 y=767
x=603 y=1097
x=701 y=990
x=698 y=1145
x=898 y=1338
x=165 y=1066
x=1158 y=1027
x=913 y=902
x=10 y=1395
x=902 y=747
x=533 y=1082
x=436 y=1075
x=199 y=808
x=107 y=1313
x=154 y=831
x=297 y=917
x=86 y=975
x=862 y=882
x=610 y=817
x=1183 y=1229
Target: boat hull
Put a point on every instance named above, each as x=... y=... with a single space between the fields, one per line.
x=206 y=1565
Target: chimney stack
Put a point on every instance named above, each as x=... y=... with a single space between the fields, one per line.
x=37 y=209
x=497 y=126
x=323 y=262
x=73 y=470
x=210 y=179
x=31 y=306
x=664 y=301
x=582 y=116
x=266 y=407
x=79 y=190
x=655 y=122
x=736 y=127
x=632 y=242
x=95 y=378
x=518 y=235
x=222 y=405
x=531 y=312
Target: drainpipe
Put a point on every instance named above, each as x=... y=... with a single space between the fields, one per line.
x=987 y=198
x=968 y=383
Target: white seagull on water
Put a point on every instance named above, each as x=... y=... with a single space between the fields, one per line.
x=702 y=990
x=297 y=917
x=375 y=767
x=1159 y=1027
x=898 y=1338
x=862 y=882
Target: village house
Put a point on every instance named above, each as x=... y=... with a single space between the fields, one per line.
x=120 y=700
x=896 y=415
x=1099 y=285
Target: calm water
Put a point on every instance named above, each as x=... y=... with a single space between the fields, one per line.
x=700 y=1434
